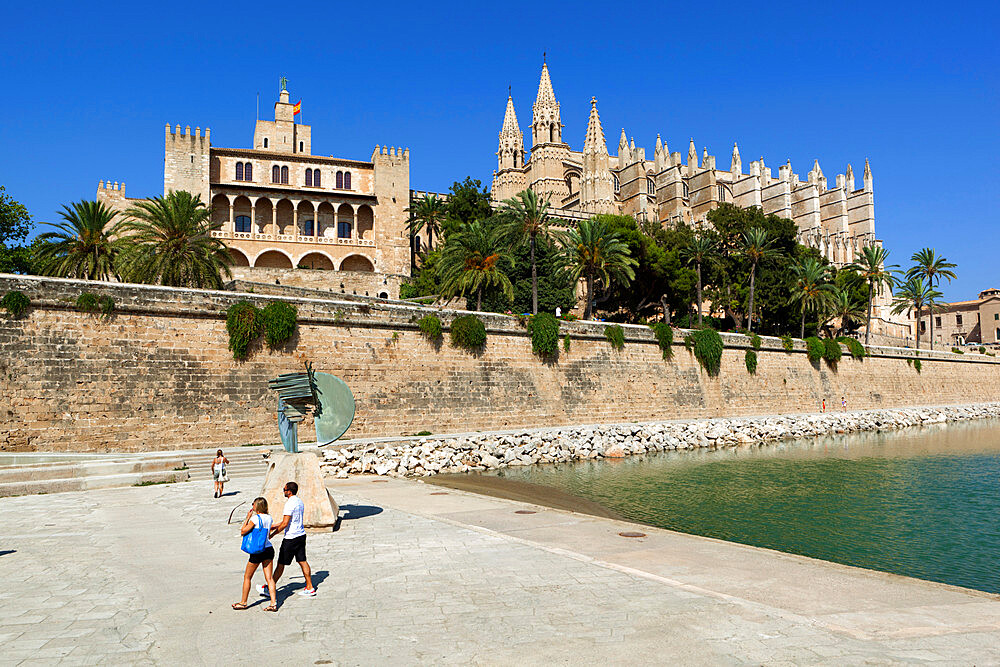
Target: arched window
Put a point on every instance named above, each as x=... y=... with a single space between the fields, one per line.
x=347 y=180
x=284 y=175
x=243 y=223
x=340 y=180
x=239 y=171
x=248 y=171
x=265 y=142
x=650 y=187
x=344 y=230
x=686 y=191
x=618 y=185
x=276 y=174
x=307 y=228
x=722 y=192
x=309 y=177
x=316 y=182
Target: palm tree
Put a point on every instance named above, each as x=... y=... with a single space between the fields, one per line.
x=915 y=294
x=86 y=246
x=756 y=246
x=872 y=267
x=703 y=249
x=843 y=307
x=525 y=220
x=171 y=243
x=811 y=290
x=592 y=250
x=933 y=268
x=427 y=212
x=474 y=259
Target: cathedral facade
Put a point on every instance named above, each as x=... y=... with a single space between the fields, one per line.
x=837 y=220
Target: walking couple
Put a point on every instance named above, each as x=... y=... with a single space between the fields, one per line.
x=257 y=529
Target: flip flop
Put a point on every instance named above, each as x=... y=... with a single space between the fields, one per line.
x=239 y=606
x=270 y=608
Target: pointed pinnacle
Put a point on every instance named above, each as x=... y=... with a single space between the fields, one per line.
x=545 y=92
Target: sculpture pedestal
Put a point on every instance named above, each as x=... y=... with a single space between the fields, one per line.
x=303 y=469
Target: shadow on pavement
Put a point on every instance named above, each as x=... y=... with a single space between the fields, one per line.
x=288 y=590
x=352 y=512
x=4 y=552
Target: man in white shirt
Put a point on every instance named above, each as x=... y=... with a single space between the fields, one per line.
x=293 y=543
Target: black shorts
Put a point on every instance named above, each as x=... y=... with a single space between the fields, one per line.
x=261 y=556
x=294 y=547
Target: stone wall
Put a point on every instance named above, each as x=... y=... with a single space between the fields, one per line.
x=361 y=283
x=158 y=374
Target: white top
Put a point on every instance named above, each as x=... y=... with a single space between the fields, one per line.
x=266 y=521
x=295 y=509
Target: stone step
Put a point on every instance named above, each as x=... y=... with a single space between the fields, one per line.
x=103 y=468
x=87 y=483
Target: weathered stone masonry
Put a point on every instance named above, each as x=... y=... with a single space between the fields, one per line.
x=159 y=375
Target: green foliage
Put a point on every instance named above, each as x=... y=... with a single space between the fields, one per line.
x=15 y=303
x=244 y=325
x=87 y=303
x=544 y=329
x=278 y=319
x=566 y=343
x=917 y=365
x=554 y=289
x=473 y=259
x=831 y=351
x=594 y=252
x=468 y=331
x=689 y=342
x=664 y=337
x=707 y=345
x=468 y=201
x=957 y=351
x=15 y=225
x=428 y=212
x=408 y=291
x=423 y=433
x=751 y=361
x=339 y=316
x=856 y=349
x=615 y=335
x=430 y=326
x=87 y=245
x=815 y=348
x=982 y=350
x=786 y=342
x=754 y=341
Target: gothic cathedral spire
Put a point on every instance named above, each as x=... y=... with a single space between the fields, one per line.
x=596 y=188
x=510 y=153
x=546 y=126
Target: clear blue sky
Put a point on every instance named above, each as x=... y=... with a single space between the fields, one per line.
x=89 y=87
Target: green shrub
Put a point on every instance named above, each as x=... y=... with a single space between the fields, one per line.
x=244 y=324
x=754 y=341
x=917 y=364
x=566 y=342
x=430 y=326
x=278 y=320
x=408 y=291
x=615 y=335
x=423 y=433
x=707 y=345
x=786 y=342
x=87 y=303
x=831 y=351
x=15 y=303
x=468 y=331
x=107 y=305
x=814 y=348
x=957 y=351
x=664 y=337
x=856 y=349
x=544 y=329
x=689 y=342
x=982 y=350
x=751 y=360
x=990 y=354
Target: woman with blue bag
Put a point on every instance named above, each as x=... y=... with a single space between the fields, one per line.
x=255 y=530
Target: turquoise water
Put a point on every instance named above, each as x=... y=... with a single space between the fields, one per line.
x=923 y=502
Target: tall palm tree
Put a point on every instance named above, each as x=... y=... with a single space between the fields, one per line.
x=872 y=267
x=473 y=259
x=756 y=246
x=933 y=268
x=428 y=212
x=86 y=246
x=915 y=294
x=843 y=307
x=171 y=243
x=702 y=249
x=525 y=220
x=811 y=289
x=591 y=251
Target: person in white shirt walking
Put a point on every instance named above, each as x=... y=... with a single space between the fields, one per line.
x=293 y=543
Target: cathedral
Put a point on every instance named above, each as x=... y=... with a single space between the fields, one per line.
x=837 y=220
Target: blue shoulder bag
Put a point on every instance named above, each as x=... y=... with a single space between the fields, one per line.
x=256 y=540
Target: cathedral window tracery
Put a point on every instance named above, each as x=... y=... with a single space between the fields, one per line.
x=650 y=187
x=340 y=180
x=347 y=180
x=284 y=175
x=316 y=179
x=239 y=171
x=248 y=171
x=276 y=174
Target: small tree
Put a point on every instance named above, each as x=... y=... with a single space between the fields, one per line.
x=871 y=266
x=756 y=247
x=473 y=259
x=592 y=251
x=811 y=290
x=703 y=249
x=915 y=294
x=428 y=212
x=525 y=218
x=87 y=244
x=933 y=269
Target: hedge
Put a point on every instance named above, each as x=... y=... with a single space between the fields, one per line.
x=468 y=331
x=615 y=335
x=430 y=326
x=544 y=329
x=664 y=337
x=15 y=303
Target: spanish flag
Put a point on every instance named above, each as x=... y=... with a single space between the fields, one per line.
x=298 y=108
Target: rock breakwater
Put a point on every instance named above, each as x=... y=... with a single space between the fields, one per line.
x=487 y=451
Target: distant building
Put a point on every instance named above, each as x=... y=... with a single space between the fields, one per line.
x=278 y=206
x=963 y=322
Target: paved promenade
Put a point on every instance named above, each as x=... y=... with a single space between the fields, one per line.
x=419 y=574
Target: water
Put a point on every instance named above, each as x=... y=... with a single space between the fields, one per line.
x=922 y=502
